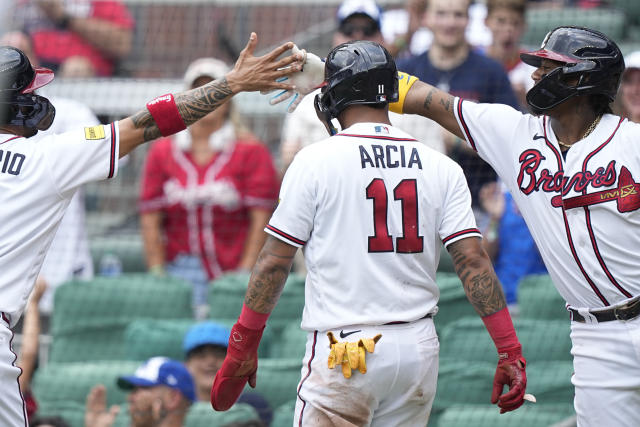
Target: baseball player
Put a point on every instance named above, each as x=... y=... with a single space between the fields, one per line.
x=572 y=168
x=370 y=207
x=39 y=178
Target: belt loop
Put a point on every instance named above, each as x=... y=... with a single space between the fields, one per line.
x=588 y=317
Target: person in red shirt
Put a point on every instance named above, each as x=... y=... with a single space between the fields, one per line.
x=79 y=38
x=206 y=195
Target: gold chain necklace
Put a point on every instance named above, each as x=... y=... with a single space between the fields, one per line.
x=586 y=134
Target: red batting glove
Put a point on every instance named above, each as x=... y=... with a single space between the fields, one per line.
x=510 y=372
x=239 y=366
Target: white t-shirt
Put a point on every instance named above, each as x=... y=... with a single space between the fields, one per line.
x=38 y=178
x=582 y=211
x=365 y=265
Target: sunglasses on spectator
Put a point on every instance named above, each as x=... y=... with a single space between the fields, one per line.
x=368 y=30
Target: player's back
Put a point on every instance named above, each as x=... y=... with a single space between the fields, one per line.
x=381 y=204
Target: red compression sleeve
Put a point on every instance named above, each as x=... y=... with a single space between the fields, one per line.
x=252 y=319
x=501 y=329
x=165 y=113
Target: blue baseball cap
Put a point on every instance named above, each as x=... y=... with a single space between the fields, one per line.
x=161 y=371
x=205 y=333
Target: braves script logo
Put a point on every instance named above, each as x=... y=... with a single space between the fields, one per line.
x=534 y=178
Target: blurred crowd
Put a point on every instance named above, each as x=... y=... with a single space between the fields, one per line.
x=206 y=193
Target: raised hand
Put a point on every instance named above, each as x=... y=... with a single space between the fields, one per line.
x=252 y=73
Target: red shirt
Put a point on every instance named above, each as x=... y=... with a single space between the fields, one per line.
x=53 y=45
x=206 y=207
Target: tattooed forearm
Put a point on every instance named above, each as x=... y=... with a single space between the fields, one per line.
x=428 y=99
x=143 y=120
x=478 y=279
x=267 y=281
x=447 y=103
x=198 y=102
x=192 y=106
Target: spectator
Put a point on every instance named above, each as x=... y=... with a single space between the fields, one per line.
x=161 y=392
x=508 y=242
x=79 y=38
x=49 y=422
x=630 y=88
x=302 y=128
x=68 y=256
x=206 y=195
x=506 y=20
x=452 y=66
x=205 y=347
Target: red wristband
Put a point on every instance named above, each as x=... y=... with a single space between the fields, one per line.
x=501 y=329
x=165 y=113
x=252 y=319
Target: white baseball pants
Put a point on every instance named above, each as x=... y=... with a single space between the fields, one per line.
x=397 y=390
x=606 y=363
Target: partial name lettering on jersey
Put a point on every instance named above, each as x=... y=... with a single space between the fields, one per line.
x=389 y=156
x=11 y=163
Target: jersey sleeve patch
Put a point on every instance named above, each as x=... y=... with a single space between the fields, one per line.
x=94 y=133
x=285 y=237
x=469 y=232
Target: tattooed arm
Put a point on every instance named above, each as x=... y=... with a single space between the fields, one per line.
x=432 y=103
x=473 y=266
x=269 y=275
x=249 y=74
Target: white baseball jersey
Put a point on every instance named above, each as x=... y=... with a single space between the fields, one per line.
x=371 y=206
x=68 y=256
x=38 y=178
x=582 y=210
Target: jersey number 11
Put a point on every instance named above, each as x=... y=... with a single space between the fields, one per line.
x=407 y=192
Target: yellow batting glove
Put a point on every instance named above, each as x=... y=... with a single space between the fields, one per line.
x=405 y=81
x=350 y=355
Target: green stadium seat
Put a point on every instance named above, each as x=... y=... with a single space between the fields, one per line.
x=541 y=20
x=61 y=383
x=539 y=299
x=291 y=344
x=278 y=380
x=226 y=295
x=489 y=416
x=446 y=262
x=128 y=248
x=71 y=412
x=631 y=9
x=453 y=303
x=146 y=338
x=283 y=415
x=90 y=317
x=202 y=415
x=461 y=382
x=466 y=383
x=542 y=340
x=550 y=382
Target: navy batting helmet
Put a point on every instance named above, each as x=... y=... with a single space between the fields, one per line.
x=19 y=106
x=357 y=72
x=593 y=64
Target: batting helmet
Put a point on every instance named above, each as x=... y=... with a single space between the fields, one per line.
x=357 y=72
x=19 y=106
x=593 y=64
